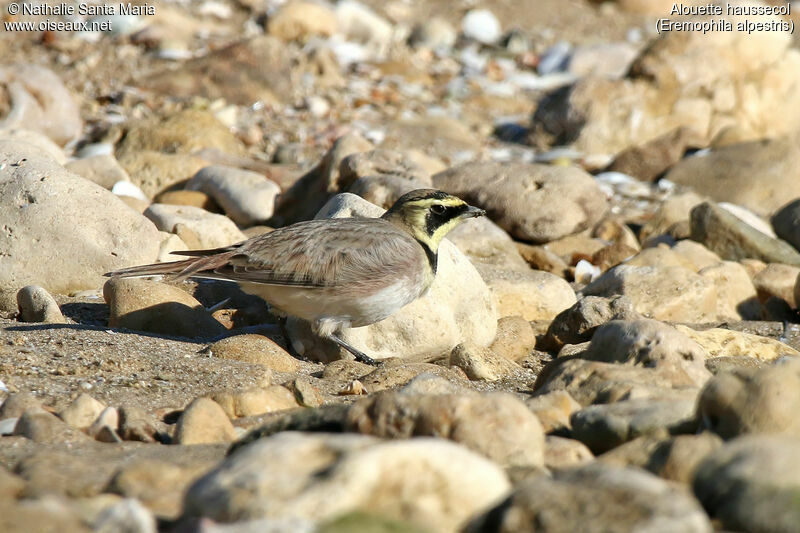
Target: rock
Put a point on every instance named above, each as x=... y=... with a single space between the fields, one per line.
x=562 y=453
x=39 y=101
x=103 y=170
x=184 y=132
x=719 y=342
x=751 y=484
x=306 y=394
x=247 y=71
x=732 y=239
x=384 y=190
x=105 y=426
x=361 y=24
x=675 y=458
x=726 y=174
x=308 y=195
x=191 y=198
x=11 y=486
x=457 y=308
x=40 y=141
x=673 y=211
x=202 y=422
x=144 y=305
x=17 y=403
x=736 y=295
x=515 y=338
x=786 y=222
x=650 y=344
x=39 y=515
x=170 y=243
x=440 y=137
x=611 y=256
x=40 y=426
x=668 y=293
x=751 y=400
x=382 y=163
x=247 y=197
x=497 y=425
x=435 y=33
x=254 y=349
x=82 y=411
x=749 y=218
x=777 y=281
x=128 y=515
x=650 y=160
x=608 y=60
x=301 y=20
x=255 y=401
x=531 y=294
x=481 y=25
x=137 y=425
x=603 y=427
x=686 y=79
x=591 y=382
x=155 y=172
x=294 y=474
x=595 y=498
x=553 y=410
x=198 y=228
x=482 y=364
x=578 y=323
x=399 y=373
x=37 y=305
x=541 y=258
x=53 y=217
x=696 y=255
x=487 y=245
x=537 y=203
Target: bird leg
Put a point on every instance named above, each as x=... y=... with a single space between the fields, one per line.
x=360 y=356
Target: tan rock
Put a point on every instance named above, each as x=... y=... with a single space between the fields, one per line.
x=103 y=170
x=564 y=453
x=66 y=217
x=37 y=305
x=143 y=305
x=753 y=401
x=255 y=349
x=482 y=364
x=777 y=280
x=204 y=422
x=82 y=411
x=664 y=293
x=300 y=20
x=736 y=295
x=650 y=344
x=255 y=401
x=531 y=294
x=515 y=338
x=497 y=425
x=553 y=409
x=198 y=228
x=155 y=172
x=718 y=342
x=516 y=188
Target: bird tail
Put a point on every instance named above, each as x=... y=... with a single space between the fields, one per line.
x=176 y=270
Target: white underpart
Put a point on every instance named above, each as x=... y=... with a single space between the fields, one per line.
x=332 y=311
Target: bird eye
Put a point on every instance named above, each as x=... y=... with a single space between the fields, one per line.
x=437 y=209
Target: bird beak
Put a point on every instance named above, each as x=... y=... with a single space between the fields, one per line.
x=472 y=212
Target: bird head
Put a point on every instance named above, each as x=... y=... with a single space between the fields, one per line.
x=429 y=214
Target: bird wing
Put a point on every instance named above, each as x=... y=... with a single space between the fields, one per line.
x=324 y=253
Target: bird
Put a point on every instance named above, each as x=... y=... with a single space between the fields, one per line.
x=334 y=273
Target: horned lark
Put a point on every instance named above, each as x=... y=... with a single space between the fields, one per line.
x=335 y=273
